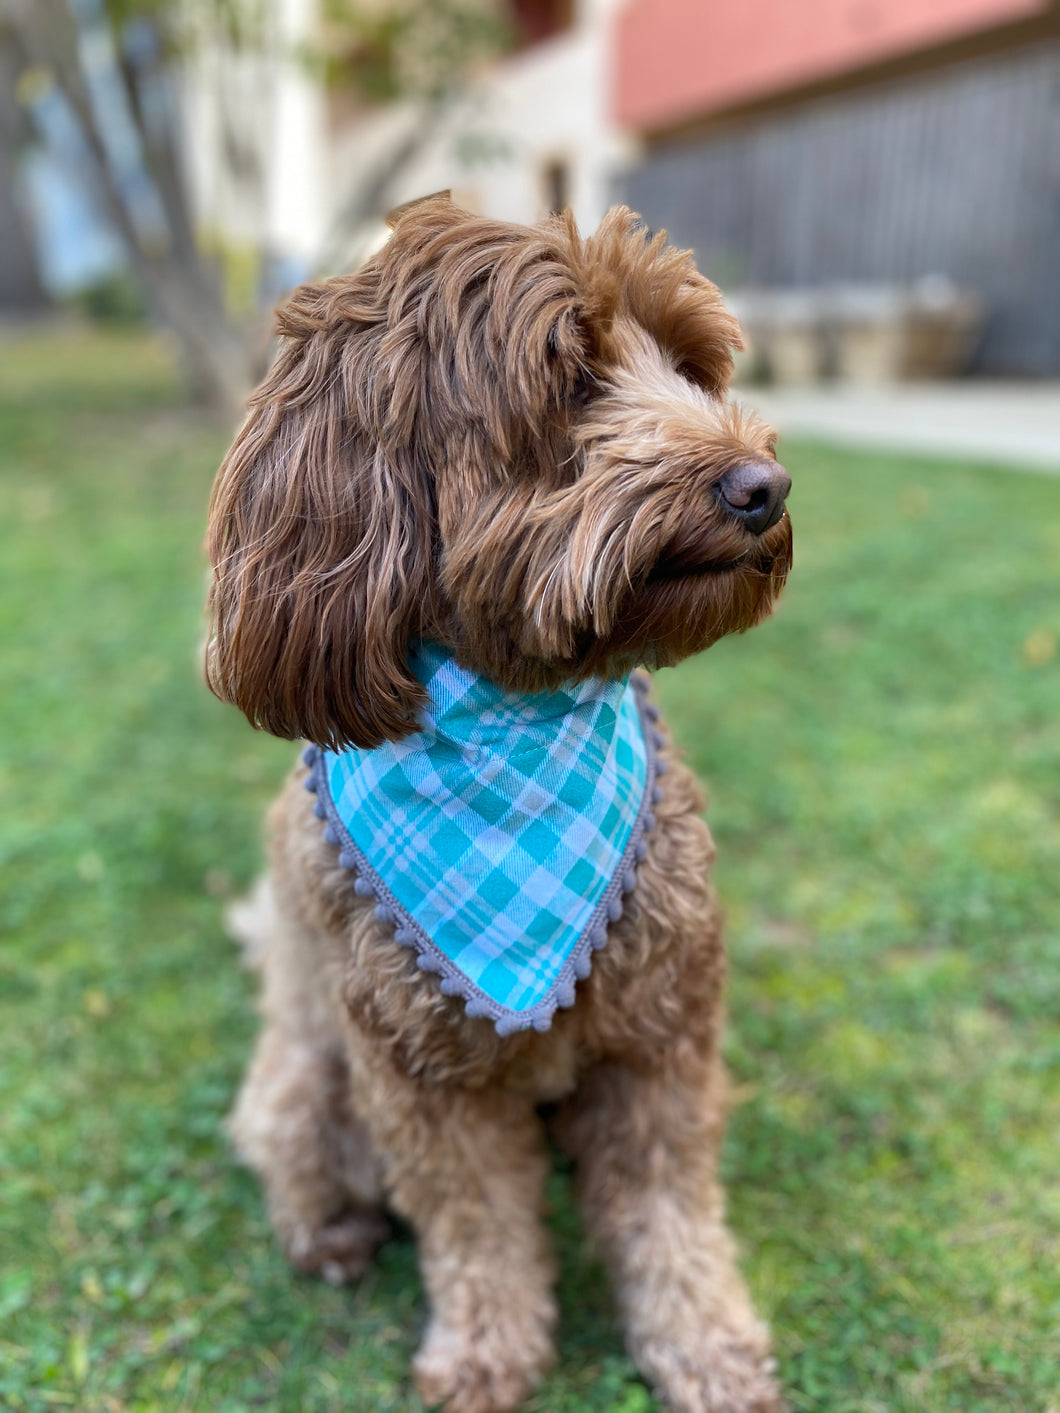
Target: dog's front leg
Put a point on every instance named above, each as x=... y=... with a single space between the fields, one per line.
x=466 y=1167
x=646 y=1146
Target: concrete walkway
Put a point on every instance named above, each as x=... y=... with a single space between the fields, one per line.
x=1010 y=423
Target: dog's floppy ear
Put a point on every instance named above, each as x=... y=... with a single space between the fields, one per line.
x=320 y=537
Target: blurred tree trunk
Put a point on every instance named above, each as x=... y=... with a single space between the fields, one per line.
x=21 y=288
x=183 y=291
x=60 y=41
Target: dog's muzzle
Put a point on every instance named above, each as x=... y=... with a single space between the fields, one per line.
x=755 y=492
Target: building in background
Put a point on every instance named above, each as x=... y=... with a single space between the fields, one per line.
x=257 y=148
x=535 y=133
x=857 y=144
x=859 y=141
x=532 y=133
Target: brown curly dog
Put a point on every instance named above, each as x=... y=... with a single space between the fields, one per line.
x=513 y=443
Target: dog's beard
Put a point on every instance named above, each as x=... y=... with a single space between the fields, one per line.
x=538 y=600
x=665 y=569
x=681 y=610
x=687 y=601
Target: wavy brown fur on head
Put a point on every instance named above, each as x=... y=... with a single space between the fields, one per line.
x=509 y=440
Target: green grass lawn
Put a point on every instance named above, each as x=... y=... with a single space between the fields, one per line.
x=884 y=766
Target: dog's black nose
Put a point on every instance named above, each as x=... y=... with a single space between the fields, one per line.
x=755 y=492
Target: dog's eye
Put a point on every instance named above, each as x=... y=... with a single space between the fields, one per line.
x=585 y=389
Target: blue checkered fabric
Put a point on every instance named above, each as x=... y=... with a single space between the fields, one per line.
x=497 y=835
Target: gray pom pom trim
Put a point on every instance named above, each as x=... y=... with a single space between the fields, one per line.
x=408 y=933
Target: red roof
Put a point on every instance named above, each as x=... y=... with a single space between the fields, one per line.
x=681 y=59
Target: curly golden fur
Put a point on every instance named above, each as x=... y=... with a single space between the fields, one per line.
x=514 y=442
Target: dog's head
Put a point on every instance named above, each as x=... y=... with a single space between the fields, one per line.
x=511 y=440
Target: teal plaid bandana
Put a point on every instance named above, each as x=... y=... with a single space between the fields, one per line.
x=499 y=838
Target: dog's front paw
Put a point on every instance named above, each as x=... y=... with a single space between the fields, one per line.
x=340 y=1251
x=727 y=1373
x=489 y=1370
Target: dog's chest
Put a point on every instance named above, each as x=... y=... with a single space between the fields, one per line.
x=659 y=976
